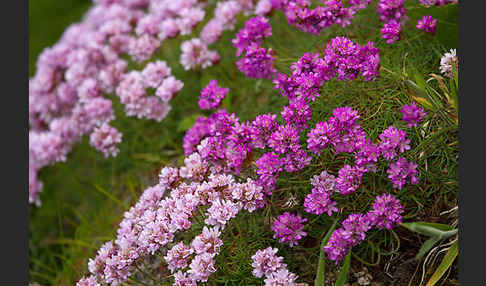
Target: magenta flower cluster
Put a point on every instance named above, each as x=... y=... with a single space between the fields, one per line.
x=428 y=3
x=266 y=263
x=344 y=134
x=412 y=114
x=427 y=23
x=319 y=201
x=393 y=14
x=212 y=95
x=386 y=213
x=257 y=62
x=342 y=59
x=255 y=30
x=314 y=20
x=288 y=228
x=227 y=143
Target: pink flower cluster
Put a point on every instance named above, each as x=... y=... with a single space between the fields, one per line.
x=227 y=144
x=447 y=62
x=168 y=208
x=428 y=3
x=288 y=228
x=314 y=20
x=342 y=59
x=266 y=263
x=412 y=114
x=257 y=62
x=65 y=94
x=132 y=91
x=195 y=52
x=318 y=201
x=393 y=14
x=343 y=133
x=105 y=139
x=212 y=95
x=386 y=213
x=427 y=23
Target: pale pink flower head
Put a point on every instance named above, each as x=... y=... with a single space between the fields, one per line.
x=208 y=241
x=155 y=72
x=105 y=139
x=182 y=279
x=178 y=256
x=88 y=281
x=195 y=54
x=220 y=212
x=169 y=87
x=266 y=261
x=202 y=266
x=282 y=277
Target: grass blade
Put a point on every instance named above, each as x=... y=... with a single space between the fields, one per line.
x=344 y=271
x=439 y=230
x=444 y=265
x=319 y=281
x=110 y=196
x=428 y=244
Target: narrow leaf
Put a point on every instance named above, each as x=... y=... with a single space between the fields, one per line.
x=430 y=229
x=110 y=196
x=428 y=244
x=319 y=281
x=344 y=271
x=444 y=265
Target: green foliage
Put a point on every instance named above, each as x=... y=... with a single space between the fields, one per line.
x=321 y=268
x=84 y=198
x=343 y=274
x=445 y=264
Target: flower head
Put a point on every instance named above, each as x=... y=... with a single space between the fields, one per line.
x=288 y=228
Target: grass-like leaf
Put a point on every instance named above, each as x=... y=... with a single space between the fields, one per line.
x=441 y=231
x=319 y=281
x=444 y=265
x=428 y=244
x=344 y=271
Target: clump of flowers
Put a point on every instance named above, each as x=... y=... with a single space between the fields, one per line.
x=266 y=263
x=393 y=139
x=105 y=139
x=402 y=171
x=427 y=23
x=343 y=133
x=385 y=213
x=314 y=20
x=212 y=95
x=352 y=232
x=257 y=62
x=412 y=114
x=195 y=54
x=342 y=59
x=447 y=62
x=393 y=14
x=391 y=31
x=318 y=201
x=288 y=228
x=168 y=208
x=428 y=3
x=255 y=30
